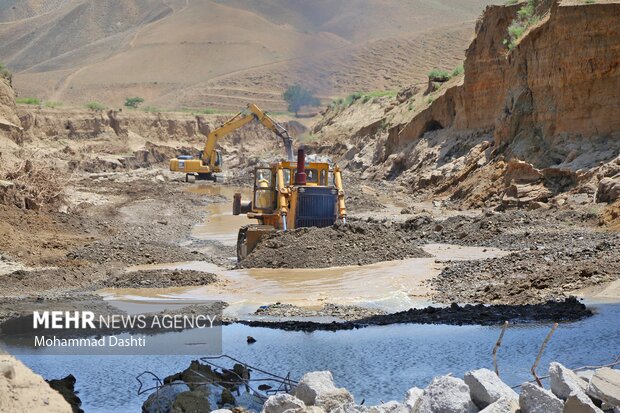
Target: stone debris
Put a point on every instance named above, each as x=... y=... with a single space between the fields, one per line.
x=481 y=391
x=315 y=385
x=605 y=386
x=564 y=382
x=580 y=403
x=502 y=405
x=487 y=388
x=280 y=403
x=446 y=394
x=412 y=398
x=535 y=399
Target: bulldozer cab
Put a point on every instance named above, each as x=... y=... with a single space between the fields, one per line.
x=264 y=190
x=266 y=182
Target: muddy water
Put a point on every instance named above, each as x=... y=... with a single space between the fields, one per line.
x=375 y=363
x=220 y=224
x=392 y=286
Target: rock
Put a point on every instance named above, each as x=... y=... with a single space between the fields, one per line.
x=195 y=401
x=251 y=340
x=502 y=405
x=315 y=384
x=161 y=401
x=221 y=411
x=446 y=394
x=282 y=402
x=535 y=399
x=608 y=189
x=578 y=402
x=564 y=381
x=227 y=397
x=486 y=387
x=351 y=408
x=389 y=407
x=412 y=398
x=585 y=375
x=605 y=386
x=332 y=399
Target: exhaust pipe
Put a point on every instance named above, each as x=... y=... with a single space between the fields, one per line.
x=300 y=176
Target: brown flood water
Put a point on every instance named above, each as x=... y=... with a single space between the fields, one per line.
x=392 y=286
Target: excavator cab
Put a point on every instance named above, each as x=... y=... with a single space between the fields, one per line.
x=289 y=195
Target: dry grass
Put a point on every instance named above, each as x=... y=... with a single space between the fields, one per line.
x=37 y=180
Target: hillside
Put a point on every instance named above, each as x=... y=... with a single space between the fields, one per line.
x=224 y=53
x=533 y=123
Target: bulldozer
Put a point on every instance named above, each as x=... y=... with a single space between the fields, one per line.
x=209 y=162
x=289 y=195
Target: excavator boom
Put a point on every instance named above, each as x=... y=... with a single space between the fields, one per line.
x=210 y=161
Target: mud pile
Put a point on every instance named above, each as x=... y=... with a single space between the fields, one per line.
x=355 y=243
x=161 y=279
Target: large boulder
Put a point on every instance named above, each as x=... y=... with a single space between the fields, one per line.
x=608 y=189
x=579 y=402
x=412 y=398
x=605 y=386
x=162 y=400
x=332 y=399
x=194 y=401
x=502 y=405
x=564 y=381
x=446 y=394
x=535 y=399
x=486 y=387
x=319 y=385
x=282 y=402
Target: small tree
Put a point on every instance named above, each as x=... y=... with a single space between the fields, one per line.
x=296 y=96
x=133 y=102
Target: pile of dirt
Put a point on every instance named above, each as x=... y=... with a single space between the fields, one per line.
x=354 y=243
x=21 y=390
x=552 y=311
x=342 y=312
x=529 y=276
x=161 y=279
x=133 y=252
x=510 y=230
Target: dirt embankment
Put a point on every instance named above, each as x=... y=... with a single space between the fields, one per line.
x=21 y=390
x=500 y=135
x=355 y=243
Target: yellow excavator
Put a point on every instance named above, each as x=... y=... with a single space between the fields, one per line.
x=289 y=195
x=209 y=162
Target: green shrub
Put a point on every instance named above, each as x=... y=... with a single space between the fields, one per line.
x=526 y=17
x=437 y=75
x=28 y=101
x=134 y=102
x=458 y=70
x=95 y=106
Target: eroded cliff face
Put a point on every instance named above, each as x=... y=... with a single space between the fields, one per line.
x=524 y=127
x=556 y=90
x=9 y=122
